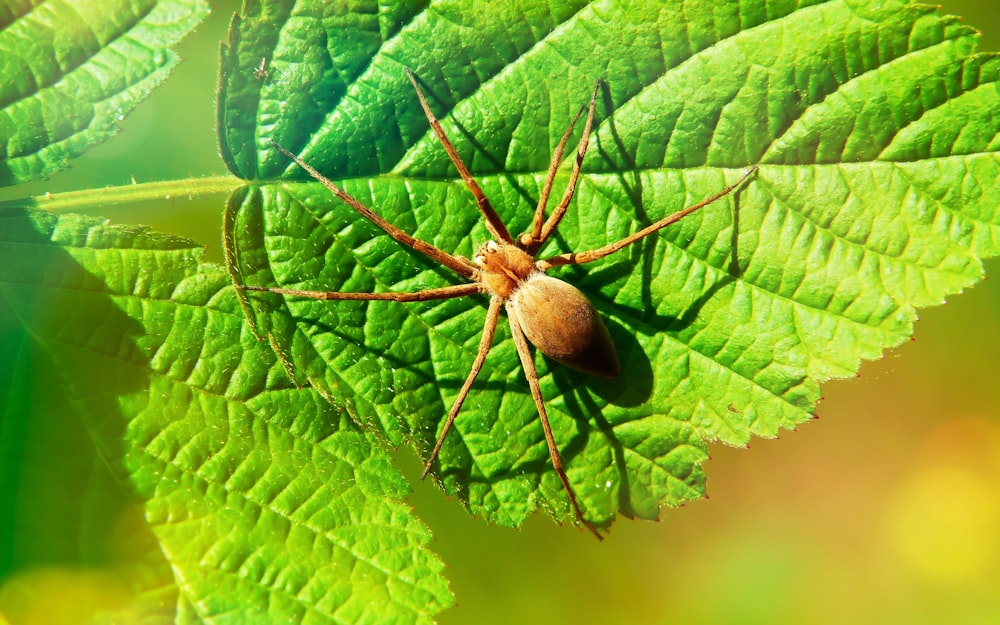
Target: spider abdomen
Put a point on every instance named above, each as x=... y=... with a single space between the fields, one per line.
x=561 y=322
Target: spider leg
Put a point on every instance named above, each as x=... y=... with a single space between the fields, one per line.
x=493 y=221
x=578 y=258
x=529 y=240
x=485 y=343
x=445 y=292
x=581 y=151
x=528 y=363
x=458 y=265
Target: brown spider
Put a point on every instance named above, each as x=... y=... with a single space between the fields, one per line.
x=553 y=315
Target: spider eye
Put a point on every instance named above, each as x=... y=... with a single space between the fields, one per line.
x=491 y=246
x=479 y=260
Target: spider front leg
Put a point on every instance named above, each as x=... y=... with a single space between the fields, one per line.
x=540 y=232
x=493 y=222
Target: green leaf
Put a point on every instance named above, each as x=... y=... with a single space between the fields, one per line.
x=150 y=440
x=871 y=122
x=71 y=70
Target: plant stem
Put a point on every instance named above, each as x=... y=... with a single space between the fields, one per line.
x=140 y=192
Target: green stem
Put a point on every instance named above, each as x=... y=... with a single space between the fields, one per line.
x=89 y=198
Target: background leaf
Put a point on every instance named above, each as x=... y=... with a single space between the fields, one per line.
x=876 y=195
x=73 y=70
x=172 y=457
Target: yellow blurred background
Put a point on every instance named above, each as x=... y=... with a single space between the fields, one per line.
x=885 y=510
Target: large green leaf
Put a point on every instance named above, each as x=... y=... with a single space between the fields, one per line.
x=71 y=70
x=873 y=126
x=150 y=440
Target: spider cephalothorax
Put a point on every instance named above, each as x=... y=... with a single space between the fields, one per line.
x=553 y=315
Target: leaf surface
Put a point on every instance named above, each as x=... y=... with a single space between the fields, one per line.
x=877 y=191
x=171 y=454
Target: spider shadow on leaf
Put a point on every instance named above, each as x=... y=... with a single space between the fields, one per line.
x=635 y=386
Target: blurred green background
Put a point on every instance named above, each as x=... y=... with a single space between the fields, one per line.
x=885 y=510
